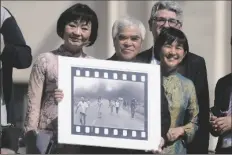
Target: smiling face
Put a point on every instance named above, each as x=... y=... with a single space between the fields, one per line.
x=76 y=34
x=128 y=43
x=171 y=55
x=164 y=18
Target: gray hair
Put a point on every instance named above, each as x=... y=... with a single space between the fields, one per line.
x=168 y=5
x=124 y=22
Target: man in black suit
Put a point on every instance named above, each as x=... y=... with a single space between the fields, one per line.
x=221 y=115
x=169 y=14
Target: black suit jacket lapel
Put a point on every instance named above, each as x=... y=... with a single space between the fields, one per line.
x=114 y=57
x=187 y=68
x=145 y=56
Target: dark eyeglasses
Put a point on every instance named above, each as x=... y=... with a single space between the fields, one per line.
x=171 y=22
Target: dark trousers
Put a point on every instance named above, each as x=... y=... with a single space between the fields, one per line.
x=117 y=108
x=82 y=118
x=224 y=150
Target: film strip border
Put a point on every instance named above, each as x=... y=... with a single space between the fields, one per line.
x=109 y=74
x=109 y=132
x=115 y=75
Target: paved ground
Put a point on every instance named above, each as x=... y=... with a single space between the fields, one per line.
x=121 y=120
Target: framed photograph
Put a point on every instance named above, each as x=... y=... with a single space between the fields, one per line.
x=109 y=103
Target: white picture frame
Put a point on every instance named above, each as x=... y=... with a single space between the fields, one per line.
x=144 y=131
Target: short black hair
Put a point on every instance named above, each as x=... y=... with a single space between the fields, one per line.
x=168 y=36
x=80 y=12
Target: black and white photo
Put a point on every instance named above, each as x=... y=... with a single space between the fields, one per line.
x=109 y=105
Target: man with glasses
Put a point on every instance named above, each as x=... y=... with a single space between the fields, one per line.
x=169 y=14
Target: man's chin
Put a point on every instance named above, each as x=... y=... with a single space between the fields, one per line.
x=128 y=57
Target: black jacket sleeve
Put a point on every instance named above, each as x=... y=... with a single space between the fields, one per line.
x=200 y=80
x=165 y=115
x=203 y=98
x=15 y=53
x=215 y=108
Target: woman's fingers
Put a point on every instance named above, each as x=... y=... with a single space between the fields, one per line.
x=58 y=90
x=58 y=95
